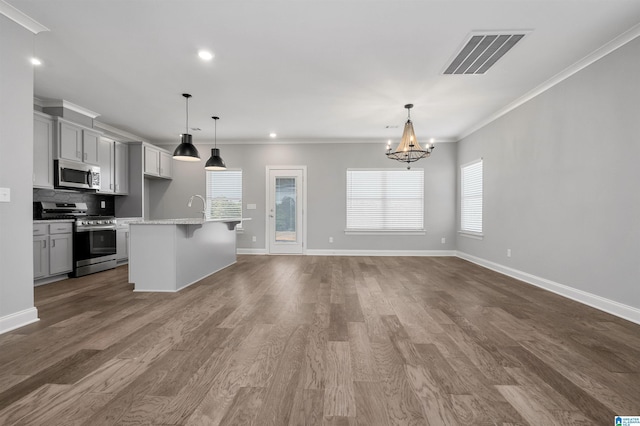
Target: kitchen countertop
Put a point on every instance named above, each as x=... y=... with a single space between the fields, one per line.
x=184 y=221
x=36 y=221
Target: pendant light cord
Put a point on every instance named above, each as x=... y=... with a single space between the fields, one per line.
x=187 y=124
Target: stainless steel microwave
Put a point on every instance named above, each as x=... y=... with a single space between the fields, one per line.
x=76 y=175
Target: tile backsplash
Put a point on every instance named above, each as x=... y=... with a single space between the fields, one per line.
x=93 y=200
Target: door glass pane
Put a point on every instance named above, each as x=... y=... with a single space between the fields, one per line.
x=286 y=209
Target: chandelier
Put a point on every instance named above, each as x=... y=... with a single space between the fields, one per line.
x=409 y=150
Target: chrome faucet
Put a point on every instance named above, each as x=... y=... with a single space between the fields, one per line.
x=204 y=205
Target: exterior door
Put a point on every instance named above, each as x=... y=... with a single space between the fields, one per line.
x=285 y=210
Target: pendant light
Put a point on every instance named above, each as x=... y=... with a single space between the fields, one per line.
x=186 y=151
x=409 y=150
x=215 y=162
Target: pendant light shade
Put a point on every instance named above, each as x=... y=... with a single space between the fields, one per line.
x=215 y=162
x=186 y=151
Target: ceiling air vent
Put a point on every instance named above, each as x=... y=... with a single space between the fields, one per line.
x=482 y=51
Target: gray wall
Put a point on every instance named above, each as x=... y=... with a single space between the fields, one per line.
x=326 y=192
x=16 y=169
x=560 y=182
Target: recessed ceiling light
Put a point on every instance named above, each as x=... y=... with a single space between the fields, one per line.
x=36 y=61
x=272 y=135
x=205 y=55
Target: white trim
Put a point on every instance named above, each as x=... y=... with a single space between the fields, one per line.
x=21 y=19
x=420 y=253
x=61 y=103
x=18 y=319
x=309 y=141
x=130 y=137
x=612 y=307
x=256 y=251
x=599 y=53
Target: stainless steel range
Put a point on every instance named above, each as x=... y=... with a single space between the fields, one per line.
x=94 y=237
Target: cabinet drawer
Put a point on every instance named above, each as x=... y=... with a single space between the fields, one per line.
x=60 y=228
x=40 y=229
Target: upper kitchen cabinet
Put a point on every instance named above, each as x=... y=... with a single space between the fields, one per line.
x=106 y=154
x=76 y=143
x=121 y=175
x=157 y=162
x=43 y=126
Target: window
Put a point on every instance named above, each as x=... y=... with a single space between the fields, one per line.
x=224 y=194
x=385 y=200
x=471 y=197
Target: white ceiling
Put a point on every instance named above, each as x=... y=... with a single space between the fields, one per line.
x=324 y=70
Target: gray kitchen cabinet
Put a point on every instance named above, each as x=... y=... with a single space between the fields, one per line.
x=121 y=173
x=151 y=161
x=166 y=165
x=90 y=146
x=157 y=163
x=106 y=154
x=69 y=141
x=76 y=143
x=43 y=126
x=40 y=256
x=52 y=249
x=60 y=253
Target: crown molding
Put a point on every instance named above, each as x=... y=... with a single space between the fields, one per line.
x=599 y=53
x=54 y=103
x=21 y=18
x=120 y=134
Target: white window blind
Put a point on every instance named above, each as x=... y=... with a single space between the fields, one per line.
x=224 y=194
x=385 y=200
x=471 y=197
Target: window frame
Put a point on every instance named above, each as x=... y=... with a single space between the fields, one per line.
x=382 y=231
x=208 y=199
x=470 y=233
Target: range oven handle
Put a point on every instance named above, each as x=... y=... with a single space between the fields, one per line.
x=96 y=228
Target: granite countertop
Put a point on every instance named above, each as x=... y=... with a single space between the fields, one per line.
x=185 y=221
x=53 y=221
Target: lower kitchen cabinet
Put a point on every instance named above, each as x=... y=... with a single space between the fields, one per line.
x=52 y=249
x=122 y=243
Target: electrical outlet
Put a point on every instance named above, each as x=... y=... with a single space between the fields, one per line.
x=103 y=204
x=5 y=195
x=254 y=239
x=508 y=252
x=443 y=240
x=331 y=239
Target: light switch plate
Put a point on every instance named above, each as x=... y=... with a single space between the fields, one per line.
x=251 y=206
x=5 y=195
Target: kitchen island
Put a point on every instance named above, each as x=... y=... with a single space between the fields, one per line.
x=170 y=254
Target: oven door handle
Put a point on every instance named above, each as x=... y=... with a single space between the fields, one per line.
x=97 y=228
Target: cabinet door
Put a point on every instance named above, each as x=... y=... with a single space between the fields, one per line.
x=69 y=141
x=121 y=168
x=42 y=152
x=90 y=147
x=40 y=256
x=151 y=161
x=166 y=164
x=60 y=254
x=106 y=155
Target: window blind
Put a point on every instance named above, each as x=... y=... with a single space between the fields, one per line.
x=224 y=194
x=385 y=200
x=471 y=197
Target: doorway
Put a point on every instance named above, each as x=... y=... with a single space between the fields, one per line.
x=286 y=209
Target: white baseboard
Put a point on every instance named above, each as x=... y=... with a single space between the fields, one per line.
x=322 y=252
x=612 y=307
x=18 y=319
x=250 y=251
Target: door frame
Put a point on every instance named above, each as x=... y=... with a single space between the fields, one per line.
x=267 y=238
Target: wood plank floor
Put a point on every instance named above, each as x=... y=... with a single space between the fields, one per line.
x=295 y=340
